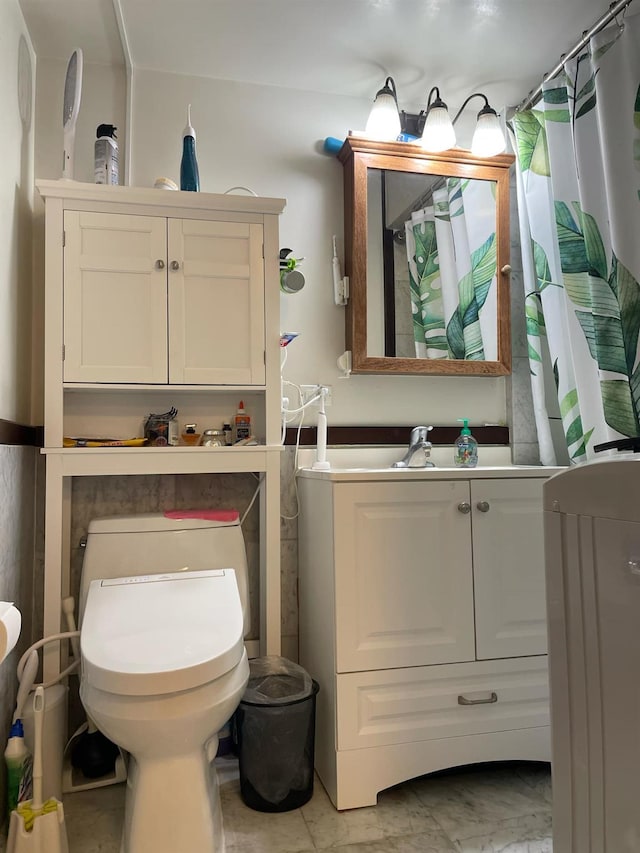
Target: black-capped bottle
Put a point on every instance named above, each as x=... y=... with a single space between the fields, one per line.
x=106 y=155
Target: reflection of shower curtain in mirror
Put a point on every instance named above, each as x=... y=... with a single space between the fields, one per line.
x=451 y=252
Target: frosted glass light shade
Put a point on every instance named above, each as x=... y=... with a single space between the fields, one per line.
x=438 y=133
x=488 y=138
x=383 y=123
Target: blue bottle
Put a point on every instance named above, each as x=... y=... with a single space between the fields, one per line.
x=189 y=176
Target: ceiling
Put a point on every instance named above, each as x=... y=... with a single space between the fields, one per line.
x=347 y=47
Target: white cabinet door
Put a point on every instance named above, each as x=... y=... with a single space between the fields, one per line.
x=216 y=303
x=115 y=298
x=508 y=568
x=404 y=586
x=121 y=323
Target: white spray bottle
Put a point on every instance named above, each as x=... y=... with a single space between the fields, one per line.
x=340 y=294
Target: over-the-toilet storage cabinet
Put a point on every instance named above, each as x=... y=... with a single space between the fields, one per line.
x=152 y=299
x=423 y=617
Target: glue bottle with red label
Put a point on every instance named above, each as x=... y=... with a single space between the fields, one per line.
x=241 y=424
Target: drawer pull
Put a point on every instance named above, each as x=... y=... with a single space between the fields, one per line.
x=462 y=700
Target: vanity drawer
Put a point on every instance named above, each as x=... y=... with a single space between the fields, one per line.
x=423 y=703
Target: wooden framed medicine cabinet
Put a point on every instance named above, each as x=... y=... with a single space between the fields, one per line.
x=384 y=182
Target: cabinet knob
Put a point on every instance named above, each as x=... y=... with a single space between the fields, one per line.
x=483 y=506
x=159 y=264
x=175 y=265
x=464 y=507
x=506 y=269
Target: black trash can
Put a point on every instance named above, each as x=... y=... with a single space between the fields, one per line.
x=275 y=730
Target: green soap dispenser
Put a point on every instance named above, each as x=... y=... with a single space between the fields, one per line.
x=465 y=453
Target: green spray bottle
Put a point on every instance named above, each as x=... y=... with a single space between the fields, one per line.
x=19 y=767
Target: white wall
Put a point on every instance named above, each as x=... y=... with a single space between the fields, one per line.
x=103 y=102
x=16 y=194
x=267 y=138
x=17 y=464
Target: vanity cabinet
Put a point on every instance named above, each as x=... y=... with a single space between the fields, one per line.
x=157 y=299
x=423 y=617
x=151 y=299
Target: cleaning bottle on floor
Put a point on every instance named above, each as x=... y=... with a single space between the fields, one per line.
x=19 y=767
x=465 y=452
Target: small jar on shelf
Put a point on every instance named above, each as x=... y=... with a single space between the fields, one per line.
x=213 y=438
x=190 y=437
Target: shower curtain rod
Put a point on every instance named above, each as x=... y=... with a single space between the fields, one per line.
x=535 y=94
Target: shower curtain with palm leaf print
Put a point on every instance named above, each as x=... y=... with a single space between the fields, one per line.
x=579 y=205
x=451 y=252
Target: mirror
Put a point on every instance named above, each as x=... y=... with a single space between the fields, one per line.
x=427 y=255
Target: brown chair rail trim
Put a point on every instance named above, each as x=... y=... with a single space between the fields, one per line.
x=337 y=435
x=21 y=434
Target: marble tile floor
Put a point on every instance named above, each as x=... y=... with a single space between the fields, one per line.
x=498 y=808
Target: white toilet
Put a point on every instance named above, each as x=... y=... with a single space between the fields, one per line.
x=164 y=609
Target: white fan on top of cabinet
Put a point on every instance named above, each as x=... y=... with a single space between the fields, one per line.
x=70 y=110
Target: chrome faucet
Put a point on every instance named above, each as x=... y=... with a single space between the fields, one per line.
x=417 y=441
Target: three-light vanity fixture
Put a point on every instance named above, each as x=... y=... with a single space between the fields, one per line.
x=433 y=126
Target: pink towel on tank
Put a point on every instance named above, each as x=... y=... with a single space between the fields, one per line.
x=227 y=515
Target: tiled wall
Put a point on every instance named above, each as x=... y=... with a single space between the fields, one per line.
x=93 y=497
x=18 y=473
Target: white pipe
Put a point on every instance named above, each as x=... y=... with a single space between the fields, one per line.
x=126 y=144
x=68 y=608
x=64 y=635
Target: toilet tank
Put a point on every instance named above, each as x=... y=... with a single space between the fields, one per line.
x=151 y=543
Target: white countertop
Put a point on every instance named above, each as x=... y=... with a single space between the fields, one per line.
x=374 y=463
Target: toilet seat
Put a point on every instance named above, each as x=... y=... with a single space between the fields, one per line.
x=159 y=634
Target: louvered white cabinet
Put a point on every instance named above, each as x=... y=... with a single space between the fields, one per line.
x=423 y=617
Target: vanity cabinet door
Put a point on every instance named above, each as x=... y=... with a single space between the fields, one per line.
x=508 y=568
x=216 y=303
x=404 y=585
x=115 y=298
